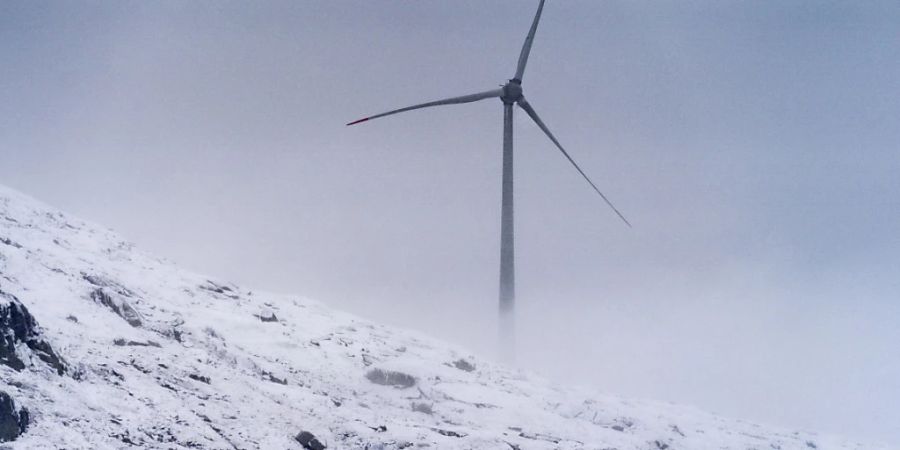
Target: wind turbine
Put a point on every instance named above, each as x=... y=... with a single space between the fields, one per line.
x=509 y=94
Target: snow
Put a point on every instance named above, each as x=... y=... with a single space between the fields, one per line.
x=179 y=360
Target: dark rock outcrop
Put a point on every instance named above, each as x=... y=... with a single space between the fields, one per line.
x=200 y=378
x=101 y=282
x=309 y=441
x=463 y=365
x=270 y=377
x=17 y=325
x=449 y=433
x=391 y=378
x=123 y=343
x=115 y=301
x=217 y=288
x=9 y=242
x=13 y=421
x=267 y=316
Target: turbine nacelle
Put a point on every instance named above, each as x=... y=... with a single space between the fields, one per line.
x=512 y=91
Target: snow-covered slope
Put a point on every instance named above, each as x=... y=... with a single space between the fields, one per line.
x=109 y=347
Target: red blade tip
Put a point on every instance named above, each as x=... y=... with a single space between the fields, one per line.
x=357 y=121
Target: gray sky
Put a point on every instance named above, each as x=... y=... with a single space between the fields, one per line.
x=753 y=145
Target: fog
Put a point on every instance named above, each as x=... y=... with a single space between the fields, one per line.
x=754 y=146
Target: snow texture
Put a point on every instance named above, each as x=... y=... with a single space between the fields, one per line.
x=126 y=350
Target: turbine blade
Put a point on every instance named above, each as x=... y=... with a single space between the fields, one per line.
x=534 y=116
x=447 y=101
x=526 y=48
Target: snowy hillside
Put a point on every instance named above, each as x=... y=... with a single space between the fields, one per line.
x=104 y=346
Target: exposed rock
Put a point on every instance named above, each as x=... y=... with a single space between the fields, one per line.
x=463 y=365
x=219 y=289
x=392 y=445
x=200 y=378
x=103 y=282
x=212 y=333
x=13 y=422
x=449 y=433
x=309 y=441
x=267 y=316
x=17 y=325
x=622 y=424
x=9 y=242
x=540 y=437
x=268 y=376
x=391 y=378
x=122 y=343
x=115 y=302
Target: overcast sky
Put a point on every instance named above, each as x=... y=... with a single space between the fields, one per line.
x=755 y=146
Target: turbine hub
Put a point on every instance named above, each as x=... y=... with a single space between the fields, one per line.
x=512 y=91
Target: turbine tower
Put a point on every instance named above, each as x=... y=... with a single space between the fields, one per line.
x=509 y=94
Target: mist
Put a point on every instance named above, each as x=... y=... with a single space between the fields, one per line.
x=754 y=146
